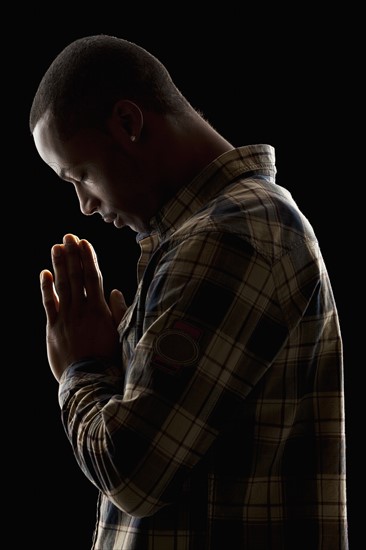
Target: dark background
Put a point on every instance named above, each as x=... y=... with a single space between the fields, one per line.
x=262 y=77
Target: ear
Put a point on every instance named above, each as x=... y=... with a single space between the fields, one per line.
x=126 y=121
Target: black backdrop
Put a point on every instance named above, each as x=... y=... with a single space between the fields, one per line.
x=257 y=77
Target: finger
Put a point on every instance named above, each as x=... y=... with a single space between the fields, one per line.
x=93 y=279
x=74 y=268
x=49 y=296
x=117 y=305
x=61 y=279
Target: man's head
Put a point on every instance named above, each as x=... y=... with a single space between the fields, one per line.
x=108 y=118
x=83 y=83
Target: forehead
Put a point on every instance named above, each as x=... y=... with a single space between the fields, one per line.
x=50 y=148
x=65 y=157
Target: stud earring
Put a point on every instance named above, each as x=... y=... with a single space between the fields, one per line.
x=133 y=138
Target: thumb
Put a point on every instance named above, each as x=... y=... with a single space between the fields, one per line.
x=117 y=305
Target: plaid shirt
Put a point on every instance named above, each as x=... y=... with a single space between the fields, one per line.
x=224 y=429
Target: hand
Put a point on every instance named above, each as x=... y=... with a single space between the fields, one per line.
x=80 y=323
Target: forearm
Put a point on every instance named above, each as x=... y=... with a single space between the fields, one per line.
x=108 y=443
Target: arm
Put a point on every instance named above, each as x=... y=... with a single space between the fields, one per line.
x=185 y=381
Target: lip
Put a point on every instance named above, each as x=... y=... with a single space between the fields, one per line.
x=109 y=219
x=118 y=222
x=113 y=218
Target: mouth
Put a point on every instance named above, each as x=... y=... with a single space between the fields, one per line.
x=118 y=222
x=113 y=218
x=108 y=218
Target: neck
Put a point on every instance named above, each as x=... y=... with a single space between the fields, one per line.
x=173 y=152
x=189 y=148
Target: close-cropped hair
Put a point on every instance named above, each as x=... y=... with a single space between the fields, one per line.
x=87 y=78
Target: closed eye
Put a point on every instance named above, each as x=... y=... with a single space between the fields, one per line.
x=65 y=175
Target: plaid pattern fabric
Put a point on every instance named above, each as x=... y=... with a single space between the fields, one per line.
x=224 y=429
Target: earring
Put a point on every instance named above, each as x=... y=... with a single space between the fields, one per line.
x=133 y=138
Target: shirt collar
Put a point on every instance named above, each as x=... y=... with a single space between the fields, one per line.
x=217 y=175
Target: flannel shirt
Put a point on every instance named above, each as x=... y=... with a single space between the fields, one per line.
x=223 y=426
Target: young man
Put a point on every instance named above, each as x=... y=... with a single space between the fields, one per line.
x=210 y=412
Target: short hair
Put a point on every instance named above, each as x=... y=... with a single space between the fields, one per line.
x=84 y=81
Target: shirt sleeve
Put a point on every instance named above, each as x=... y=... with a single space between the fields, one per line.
x=212 y=324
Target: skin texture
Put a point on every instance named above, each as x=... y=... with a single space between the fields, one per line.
x=125 y=174
x=80 y=323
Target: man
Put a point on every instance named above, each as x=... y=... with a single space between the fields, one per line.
x=210 y=412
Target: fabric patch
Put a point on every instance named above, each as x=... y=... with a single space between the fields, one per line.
x=177 y=347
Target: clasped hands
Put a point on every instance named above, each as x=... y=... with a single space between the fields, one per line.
x=80 y=322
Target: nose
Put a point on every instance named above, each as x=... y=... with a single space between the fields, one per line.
x=88 y=204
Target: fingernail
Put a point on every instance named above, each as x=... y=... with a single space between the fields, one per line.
x=70 y=239
x=56 y=250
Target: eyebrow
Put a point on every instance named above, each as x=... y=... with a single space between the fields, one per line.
x=63 y=174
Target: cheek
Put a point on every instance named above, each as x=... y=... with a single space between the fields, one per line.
x=120 y=182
